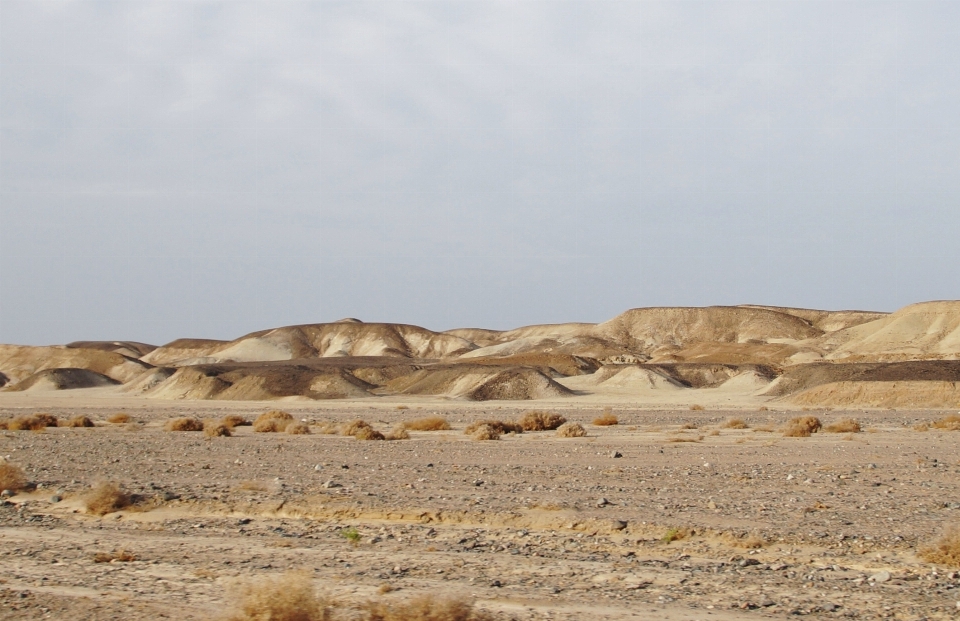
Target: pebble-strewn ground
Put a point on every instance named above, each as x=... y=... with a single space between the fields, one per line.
x=531 y=526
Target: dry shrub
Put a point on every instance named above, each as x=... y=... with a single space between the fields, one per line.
x=289 y=597
x=425 y=608
x=399 y=432
x=697 y=407
x=183 y=424
x=105 y=498
x=921 y=427
x=79 y=421
x=801 y=427
x=845 y=425
x=765 y=428
x=536 y=420
x=485 y=432
x=354 y=427
x=428 y=423
x=368 y=433
x=12 y=477
x=948 y=423
x=763 y=408
x=607 y=419
x=216 y=429
x=571 y=430
x=500 y=426
x=273 y=421
x=119 y=417
x=685 y=439
x=120 y=556
x=944 y=551
x=690 y=426
x=298 y=429
x=752 y=541
x=734 y=423
x=34 y=422
x=235 y=420
x=403 y=407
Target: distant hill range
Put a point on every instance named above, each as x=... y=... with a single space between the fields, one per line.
x=910 y=358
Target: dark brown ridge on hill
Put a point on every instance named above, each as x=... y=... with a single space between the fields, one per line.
x=709 y=375
x=800 y=377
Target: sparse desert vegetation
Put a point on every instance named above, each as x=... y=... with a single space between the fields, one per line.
x=78 y=421
x=571 y=430
x=501 y=427
x=539 y=420
x=801 y=427
x=274 y=421
x=844 y=425
x=484 y=432
x=427 y=423
x=119 y=418
x=216 y=429
x=12 y=477
x=945 y=550
x=947 y=423
x=734 y=423
x=183 y=423
x=235 y=420
x=106 y=497
x=607 y=419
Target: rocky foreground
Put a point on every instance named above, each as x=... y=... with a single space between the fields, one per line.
x=667 y=515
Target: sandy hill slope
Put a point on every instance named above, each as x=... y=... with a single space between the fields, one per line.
x=131 y=349
x=344 y=338
x=827 y=321
x=17 y=362
x=478 y=383
x=930 y=330
x=62 y=379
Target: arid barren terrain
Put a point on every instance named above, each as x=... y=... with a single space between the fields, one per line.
x=717 y=463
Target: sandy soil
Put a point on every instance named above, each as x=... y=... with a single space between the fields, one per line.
x=532 y=526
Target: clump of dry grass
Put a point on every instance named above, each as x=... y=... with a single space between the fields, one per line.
x=290 y=597
x=106 y=497
x=538 y=420
x=12 y=477
x=485 y=432
x=690 y=426
x=427 y=423
x=78 y=421
x=697 y=407
x=399 y=432
x=945 y=550
x=298 y=428
x=216 y=429
x=801 y=427
x=763 y=408
x=235 y=420
x=425 y=608
x=183 y=423
x=273 y=421
x=119 y=555
x=765 y=428
x=607 y=419
x=752 y=541
x=33 y=422
x=734 y=423
x=947 y=423
x=119 y=418
x=571 y=430
x=500 y=426
x=845 y=425
x=368 y=433
x=685 y=439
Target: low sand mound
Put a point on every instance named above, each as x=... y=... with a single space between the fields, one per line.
x=62 y=379
x=479 y=383
x=148 y=379
x=131 y=349
x=699 y=375
x=930 y=330
x=908 y=394
x=748 y=382
x=20 y=362
x=634 y=378
x=259 y=383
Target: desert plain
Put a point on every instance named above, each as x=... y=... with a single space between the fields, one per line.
x=713 y=463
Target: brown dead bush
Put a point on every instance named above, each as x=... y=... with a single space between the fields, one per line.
x=947 y=423
x=12 y=477
x=485 y=432
x=734 y=423
x=538 y=420
x=425 y=608
x=298 y=429
x=845 y=425
x=368 y=433
x=944 y=551
x=105 y=498
x=801 y=427
x=78 y=421
x=399 y=432
x=353 y=427
x=500 y=426
x=428 y=423
x=235 y=420
x=273 y=421
x=216 y=429
x=697 y=407
x=607 y=419
x=571 y=430
x=290 y=597
x=119 y=418
x=120 y=556
x=183 y=424
x=33 y=422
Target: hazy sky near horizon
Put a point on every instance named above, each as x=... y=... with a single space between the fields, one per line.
x=206 y=169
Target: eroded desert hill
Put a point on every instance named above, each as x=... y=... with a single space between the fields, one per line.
x=754 y=352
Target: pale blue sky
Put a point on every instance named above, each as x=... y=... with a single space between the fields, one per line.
x=207 y=169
